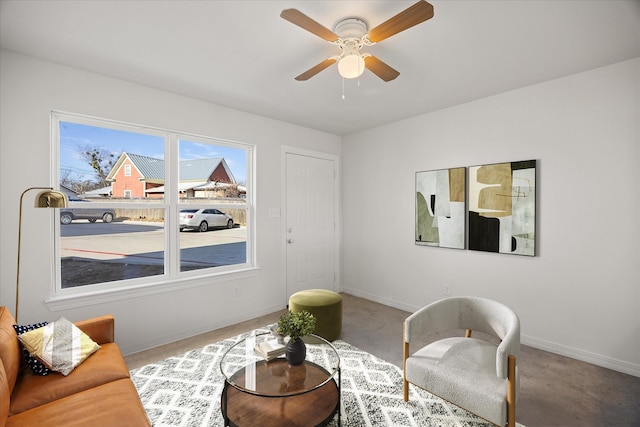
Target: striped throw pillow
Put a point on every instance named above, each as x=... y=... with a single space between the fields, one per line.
x=60 y=345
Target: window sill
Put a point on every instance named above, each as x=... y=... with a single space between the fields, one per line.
x=92 y=297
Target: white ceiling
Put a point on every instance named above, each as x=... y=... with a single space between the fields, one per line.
x=241 y=54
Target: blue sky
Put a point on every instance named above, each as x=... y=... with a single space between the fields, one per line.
x=74 y=137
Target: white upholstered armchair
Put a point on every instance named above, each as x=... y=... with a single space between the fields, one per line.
x=475 y=374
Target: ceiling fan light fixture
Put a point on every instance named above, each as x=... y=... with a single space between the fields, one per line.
x=351 y=66
x=351 y=34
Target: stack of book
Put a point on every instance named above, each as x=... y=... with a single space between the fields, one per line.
x=270 y=349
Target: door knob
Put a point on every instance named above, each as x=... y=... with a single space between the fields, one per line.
x=290 y=241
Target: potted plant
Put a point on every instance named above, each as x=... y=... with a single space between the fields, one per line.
x=296 y=325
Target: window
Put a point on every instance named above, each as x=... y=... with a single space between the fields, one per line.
x=149 y=206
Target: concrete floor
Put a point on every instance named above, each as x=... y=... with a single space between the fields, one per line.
x=555 y=391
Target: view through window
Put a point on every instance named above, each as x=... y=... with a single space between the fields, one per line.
x=149 y=204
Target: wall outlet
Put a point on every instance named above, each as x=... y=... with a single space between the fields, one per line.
x=446 y=290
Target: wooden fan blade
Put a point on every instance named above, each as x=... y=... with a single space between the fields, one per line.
x=303 y=21
x=316 y=69
x=404 y=20
x=380 y=69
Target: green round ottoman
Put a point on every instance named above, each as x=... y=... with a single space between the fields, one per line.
x=325 y=305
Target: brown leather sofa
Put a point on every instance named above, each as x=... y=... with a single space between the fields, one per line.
x=97 y=393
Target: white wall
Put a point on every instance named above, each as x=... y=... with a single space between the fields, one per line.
x=580 y=296
x=29 y=90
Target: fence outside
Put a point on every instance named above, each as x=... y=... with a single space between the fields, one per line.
x=156 y=214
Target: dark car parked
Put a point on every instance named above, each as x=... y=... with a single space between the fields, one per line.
x=92 y=214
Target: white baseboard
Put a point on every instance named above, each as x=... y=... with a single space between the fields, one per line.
x=585 y=356
x=552 y=347
x=385 y=301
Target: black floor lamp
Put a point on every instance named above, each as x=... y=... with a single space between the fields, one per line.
x=49 y=198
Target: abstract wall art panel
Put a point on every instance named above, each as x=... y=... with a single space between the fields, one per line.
x=440 y=208
x=502 y=208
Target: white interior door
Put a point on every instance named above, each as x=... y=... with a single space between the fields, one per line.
x=310 y=223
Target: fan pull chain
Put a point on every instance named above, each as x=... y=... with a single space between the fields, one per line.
x=343 y=97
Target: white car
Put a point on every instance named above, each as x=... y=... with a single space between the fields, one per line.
x=204 y=219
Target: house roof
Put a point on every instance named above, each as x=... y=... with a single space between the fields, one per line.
x=196 y=169
x=68 y=191
x=152 y=169
x=104 y=191
x=183 y=186
x=149 y=167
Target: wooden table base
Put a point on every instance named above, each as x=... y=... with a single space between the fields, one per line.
x=316 y=407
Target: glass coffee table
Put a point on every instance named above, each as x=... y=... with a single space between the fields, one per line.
x=265 y=393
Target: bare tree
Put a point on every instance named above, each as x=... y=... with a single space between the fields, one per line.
x=101 y=160
x=75 y=182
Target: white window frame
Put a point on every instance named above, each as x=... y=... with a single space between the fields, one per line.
x=173 y=279
x=127 y=171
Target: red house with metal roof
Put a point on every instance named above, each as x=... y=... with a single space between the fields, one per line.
x=137 y=176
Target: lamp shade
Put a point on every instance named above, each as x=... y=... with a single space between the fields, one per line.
x=51 y=199
x=351 y=66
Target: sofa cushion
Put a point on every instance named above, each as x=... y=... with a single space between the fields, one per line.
x=113 y=404
x=102 y=367
x=33 y=363
x=4 y=397
x=60 y=345
x=10 y=351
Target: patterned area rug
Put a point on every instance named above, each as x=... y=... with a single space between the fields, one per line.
x=185 y=391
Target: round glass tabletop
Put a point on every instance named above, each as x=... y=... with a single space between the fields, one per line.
x=247 y=370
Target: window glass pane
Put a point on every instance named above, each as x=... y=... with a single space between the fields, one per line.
x=214 y=174
x=212 y=238
x=212 y=171
x=99 y=241
x=93 y=162
x=104 y=245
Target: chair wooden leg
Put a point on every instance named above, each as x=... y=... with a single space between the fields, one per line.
x=405 y=383
x=511 y=392
x=468 y=333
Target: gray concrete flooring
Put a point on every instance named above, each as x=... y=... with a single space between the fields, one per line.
x=555 y=391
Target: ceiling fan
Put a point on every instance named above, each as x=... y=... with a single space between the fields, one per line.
x=350 y=35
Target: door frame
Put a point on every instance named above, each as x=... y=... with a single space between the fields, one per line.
x=286 y=149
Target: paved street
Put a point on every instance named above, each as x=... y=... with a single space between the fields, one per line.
x=143 y=243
